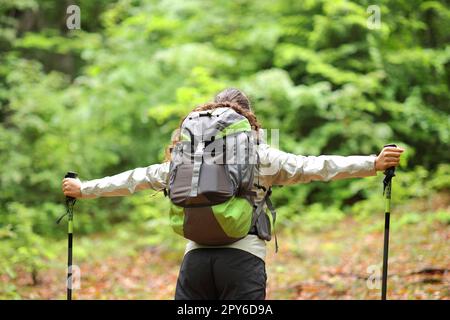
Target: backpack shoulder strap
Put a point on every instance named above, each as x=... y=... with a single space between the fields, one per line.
x=260 y=210
x=274 y=215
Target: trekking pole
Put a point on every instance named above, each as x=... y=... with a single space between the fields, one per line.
x=387 y=188
x=70 y=202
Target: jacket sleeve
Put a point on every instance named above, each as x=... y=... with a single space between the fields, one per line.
x=125 y=183
x=282 y=168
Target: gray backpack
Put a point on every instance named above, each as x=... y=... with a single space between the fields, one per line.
x=211 y=180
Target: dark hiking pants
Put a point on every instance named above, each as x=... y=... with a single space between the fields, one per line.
x=221 y=274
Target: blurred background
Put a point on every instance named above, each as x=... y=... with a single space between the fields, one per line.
x=336 y=77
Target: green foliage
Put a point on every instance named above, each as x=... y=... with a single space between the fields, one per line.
x=106 y=98
x=318 y=218
x=20 y=245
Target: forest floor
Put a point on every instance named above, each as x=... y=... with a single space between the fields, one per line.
x=341 y=262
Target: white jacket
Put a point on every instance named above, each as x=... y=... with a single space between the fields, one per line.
x=276 y=168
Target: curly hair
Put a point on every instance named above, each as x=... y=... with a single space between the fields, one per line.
x=234 y=95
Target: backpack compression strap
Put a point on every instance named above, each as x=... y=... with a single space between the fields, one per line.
x=198 y=159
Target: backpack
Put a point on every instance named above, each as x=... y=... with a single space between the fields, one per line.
x=211 y=177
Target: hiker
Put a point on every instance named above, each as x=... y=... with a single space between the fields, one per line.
x=235 y=270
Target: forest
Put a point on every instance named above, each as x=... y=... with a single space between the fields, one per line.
x=335 y=77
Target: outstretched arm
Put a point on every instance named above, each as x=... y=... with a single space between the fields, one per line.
x=122 y=184
x=282 y=168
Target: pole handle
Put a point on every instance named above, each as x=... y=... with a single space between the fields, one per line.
x=390 y=171
x=73 y=175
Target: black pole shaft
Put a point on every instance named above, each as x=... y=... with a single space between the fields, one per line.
x=387 y=218
x=69 y=267
x=70 y=203
x=387 y=189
